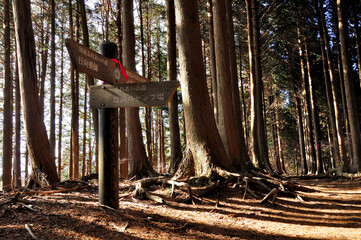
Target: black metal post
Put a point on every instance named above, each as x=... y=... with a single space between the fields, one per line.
x=108 y=146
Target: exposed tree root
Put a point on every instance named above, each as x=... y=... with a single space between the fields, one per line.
x=141 y=191
x=260 y=186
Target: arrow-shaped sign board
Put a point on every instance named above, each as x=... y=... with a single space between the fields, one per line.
x=96 y=65
x=132 y=94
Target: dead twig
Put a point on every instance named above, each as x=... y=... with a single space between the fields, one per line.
x=272 y=192
x=141 y=193
x=154 y=197
x=30 y=231
x=107 y=207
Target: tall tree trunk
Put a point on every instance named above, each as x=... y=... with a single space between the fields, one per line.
x=175 y=142
x=333 y=98
x=8 y=107
x=259 y=150
x=60 y=130
x=123 y=145
x=340 y=73
x=226 y=123
x=26 y=157
x=260 y=110
x=83 y=172
x=90 y=80
x=276 y=156
x=148 y=110
x=301 y=137
x=17 y=150
x=52 y=78
x=357 y=32
x=236 y=102
x=75 y=109
x=213 y=62
x=44 y=57
x=350 y=95
x=43 y=165
x=244 y=107
x=279 y=142
x=315 y=115
x=72 y=80
x=139 y=164
x=305 y=94
x=201 y=130
x=331 y=111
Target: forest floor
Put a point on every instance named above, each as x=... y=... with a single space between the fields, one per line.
x=333 y=212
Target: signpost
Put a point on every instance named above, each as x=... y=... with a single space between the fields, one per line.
x=125 y=88
x=96 y=65
x=132 y=94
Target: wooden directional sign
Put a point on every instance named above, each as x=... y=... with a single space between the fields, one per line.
x=96 y=65
x=132 y=94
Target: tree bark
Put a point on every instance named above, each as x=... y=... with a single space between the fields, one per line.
x=244 y=107
x=213 y=62
x=226 y=123
x=148 y=110
x=335 y=109
x=350 y=95
x=301 y=137
x=75 y=115
x=315 y=115
x=8 y=109
x=244 y=162
x=123 y=145
x=44 y=57
x=52 y=78
x=83 y=172
x=201 y=130
x=258 y=139
x=17 y=150
x=335 y=150
x=90 y=80
x=175 y=142
x=42 y=158
x=60 y=130
x=305 y=94
x=139 y=164
x=72 y=79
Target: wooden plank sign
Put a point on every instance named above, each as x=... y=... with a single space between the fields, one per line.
x=132 y=94
x=96 y=65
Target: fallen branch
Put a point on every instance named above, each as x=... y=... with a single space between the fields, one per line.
x=272 y=192
x=141 y=193
x=293 y=194
x=30 y=231
x=154 y=197
x=56 y=191
x=107 y=207
x=297 y=187
x=12 y=200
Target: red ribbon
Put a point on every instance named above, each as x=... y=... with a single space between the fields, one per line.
x=121 y=69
